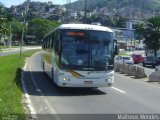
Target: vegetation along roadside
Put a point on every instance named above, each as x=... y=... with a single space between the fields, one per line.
x=10 y=85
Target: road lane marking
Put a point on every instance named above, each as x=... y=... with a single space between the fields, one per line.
x=118 y=90
x=46 y=102
x=138 y=81
x=27 y=98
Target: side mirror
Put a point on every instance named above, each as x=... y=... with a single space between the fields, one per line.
x=116 y=47
x=116 y=50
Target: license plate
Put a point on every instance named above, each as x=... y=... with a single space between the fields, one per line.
x=88 y=82
x=148 y=62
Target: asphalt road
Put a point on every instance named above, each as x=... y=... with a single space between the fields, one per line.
x=127 y=96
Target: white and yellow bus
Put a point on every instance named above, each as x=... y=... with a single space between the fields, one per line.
x=79 y=55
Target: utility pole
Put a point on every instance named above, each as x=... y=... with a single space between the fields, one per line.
x=24 y=24
x=22 y=40
x=85 y=11
x=10 y=37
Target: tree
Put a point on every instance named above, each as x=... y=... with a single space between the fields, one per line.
x=140 y=31
x=41 y=27
x=16 y=30
x=5 y=18
x=152 y=34
x=119 y=21
x=2 y=18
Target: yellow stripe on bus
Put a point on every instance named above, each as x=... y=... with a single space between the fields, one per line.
x=75 y=74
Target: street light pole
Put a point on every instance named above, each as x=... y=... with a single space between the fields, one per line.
x=24 y=24
x=10 y=42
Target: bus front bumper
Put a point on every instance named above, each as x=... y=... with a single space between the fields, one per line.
x=76 y=82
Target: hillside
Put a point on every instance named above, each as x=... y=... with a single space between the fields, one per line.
x=120 y=6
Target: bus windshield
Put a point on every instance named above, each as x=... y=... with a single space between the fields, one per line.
x=87 y=50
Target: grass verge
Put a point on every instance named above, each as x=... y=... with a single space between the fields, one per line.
x=4 y=46
x=122 y=54
x=10 y=85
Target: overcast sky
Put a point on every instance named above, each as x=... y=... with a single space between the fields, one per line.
x=8 y=3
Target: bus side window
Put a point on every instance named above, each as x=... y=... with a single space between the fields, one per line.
x=116 y=47
x=56 y=46
x=52 y=41
x=57 y=42
x=43 y=44
x=47 y=43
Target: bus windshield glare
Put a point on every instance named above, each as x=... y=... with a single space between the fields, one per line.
x=86 y=50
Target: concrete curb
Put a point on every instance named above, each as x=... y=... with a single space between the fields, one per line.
x=130 y=70
x=140 y=73
x=26 y=98
x=155 y=76
x=117 y=67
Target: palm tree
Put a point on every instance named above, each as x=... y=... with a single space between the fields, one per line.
x=152 y=34
x=140 y=31
x=154 y=23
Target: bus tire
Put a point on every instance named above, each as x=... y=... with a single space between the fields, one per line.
x=144 y=64
x=153 y=65
x=43 y=65
x=52 y=75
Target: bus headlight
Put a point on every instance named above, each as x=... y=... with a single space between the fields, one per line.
x=68 y=79
x=111 y=75
x=108 y=80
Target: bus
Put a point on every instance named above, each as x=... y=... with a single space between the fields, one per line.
x=79 y=55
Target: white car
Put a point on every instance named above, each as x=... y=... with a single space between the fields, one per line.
x=124 y=59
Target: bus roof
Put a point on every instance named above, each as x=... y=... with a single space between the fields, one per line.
x=85 y=27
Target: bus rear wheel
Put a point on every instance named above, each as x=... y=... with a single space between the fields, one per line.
x=43 y=65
